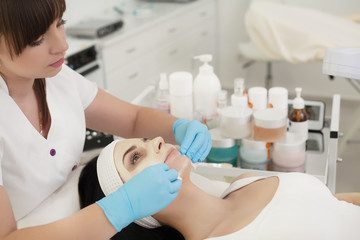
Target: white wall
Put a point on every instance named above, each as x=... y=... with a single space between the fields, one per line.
x=307 y=76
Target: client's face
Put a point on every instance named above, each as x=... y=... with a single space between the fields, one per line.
x=133 y=155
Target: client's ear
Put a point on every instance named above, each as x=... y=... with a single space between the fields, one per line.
x=89 y=187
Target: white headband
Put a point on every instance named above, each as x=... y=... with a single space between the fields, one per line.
x=110 y=180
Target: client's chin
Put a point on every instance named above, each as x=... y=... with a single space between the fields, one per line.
x=180 y=163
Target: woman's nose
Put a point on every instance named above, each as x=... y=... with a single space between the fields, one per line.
x=59 y=44
x=158 y=144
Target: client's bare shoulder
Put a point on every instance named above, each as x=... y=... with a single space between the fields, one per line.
x=245 y=175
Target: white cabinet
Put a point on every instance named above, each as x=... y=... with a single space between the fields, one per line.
x=166 y=42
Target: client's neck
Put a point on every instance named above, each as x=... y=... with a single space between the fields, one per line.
x=194 y=213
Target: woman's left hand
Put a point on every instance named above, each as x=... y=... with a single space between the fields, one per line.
x=194 y=139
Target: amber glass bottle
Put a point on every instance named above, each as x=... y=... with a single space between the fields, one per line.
x=298 y=119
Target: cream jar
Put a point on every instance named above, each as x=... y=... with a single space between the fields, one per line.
x=289 y=155
x=255 y=154
x=235 y=122
x=270 y=125
x=223 y=150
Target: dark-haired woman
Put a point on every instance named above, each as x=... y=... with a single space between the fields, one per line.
x=45 y=108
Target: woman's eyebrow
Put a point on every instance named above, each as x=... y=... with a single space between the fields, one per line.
x=127 y=151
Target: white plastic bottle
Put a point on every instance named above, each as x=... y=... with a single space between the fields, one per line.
x=181 y=95
x=239 y=97
x=162 y=95
x=206 y=89
x=298 y=120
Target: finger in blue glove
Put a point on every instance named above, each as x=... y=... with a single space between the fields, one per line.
x=192 y=136
x=145 y=194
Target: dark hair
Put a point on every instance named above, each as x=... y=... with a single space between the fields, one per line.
x=23 y=22
x=90 y=192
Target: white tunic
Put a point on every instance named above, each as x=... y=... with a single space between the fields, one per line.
x=302 y=208
x=32 y=167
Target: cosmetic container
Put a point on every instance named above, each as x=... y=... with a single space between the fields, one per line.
x=255 y=154
x=270 y=125
x=289 y=155
x=162 y=94
x=298 y=119
x=239 y=98
x=206 y=88
x=278 y=98
x=257 y=98
x=181 y=96
x=224 y=150
x=235 y=122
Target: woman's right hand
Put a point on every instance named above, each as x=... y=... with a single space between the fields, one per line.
x=143 y=195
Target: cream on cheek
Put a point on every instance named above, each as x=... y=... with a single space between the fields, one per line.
x=141 y=164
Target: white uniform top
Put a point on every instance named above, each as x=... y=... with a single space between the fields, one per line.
x=32 y=167
x=302 y=208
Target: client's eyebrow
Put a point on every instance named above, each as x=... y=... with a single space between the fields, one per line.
x=127 y=151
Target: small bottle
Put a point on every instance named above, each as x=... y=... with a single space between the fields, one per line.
x=162 y=95
x=221 y=100
x=239 y=98
x=221 y=103
x=298 y=119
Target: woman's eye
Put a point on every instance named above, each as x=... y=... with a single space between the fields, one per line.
x=37 y=42
x=135 y=157
x=61 y=22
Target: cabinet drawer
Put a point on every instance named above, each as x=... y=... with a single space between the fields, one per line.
x=166 y=30
x=126 y=50
x=126 y=82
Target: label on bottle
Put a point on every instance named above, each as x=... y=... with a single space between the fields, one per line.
x=300 y=128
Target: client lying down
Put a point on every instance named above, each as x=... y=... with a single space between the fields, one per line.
x=286 y=206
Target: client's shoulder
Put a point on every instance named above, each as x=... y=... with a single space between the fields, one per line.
x=245 y=175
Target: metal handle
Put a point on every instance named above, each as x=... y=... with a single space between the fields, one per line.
x=134 y=75
x=172 y=30
x=203 y=14
x=131 y=50
x=173 y=52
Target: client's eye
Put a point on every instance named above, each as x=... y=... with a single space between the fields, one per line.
x=135 y=156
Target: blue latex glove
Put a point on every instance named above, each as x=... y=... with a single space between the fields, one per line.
x=194 y=139
x=147 y=193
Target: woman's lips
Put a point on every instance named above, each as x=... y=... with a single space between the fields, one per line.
x=171 y=154
x=58 y=63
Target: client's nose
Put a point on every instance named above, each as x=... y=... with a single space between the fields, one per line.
x=158 y=144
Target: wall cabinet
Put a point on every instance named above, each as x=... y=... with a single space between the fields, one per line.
x=166 y=42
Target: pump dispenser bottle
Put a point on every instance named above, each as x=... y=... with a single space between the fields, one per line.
x=239 y=98
x=206 y=89
x=298 y=119
x=162 y=95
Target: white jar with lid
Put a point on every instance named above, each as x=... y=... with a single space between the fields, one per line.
x=289 y=155
x=257 y=98
x=270 y=125
x=255 y=154
x=235 y=122
x=278 y=98
x=181 y=96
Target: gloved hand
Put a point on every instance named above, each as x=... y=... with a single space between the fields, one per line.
x=194 y=139
x=150 y=191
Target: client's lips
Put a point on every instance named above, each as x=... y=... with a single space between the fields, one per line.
x=171 y=154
